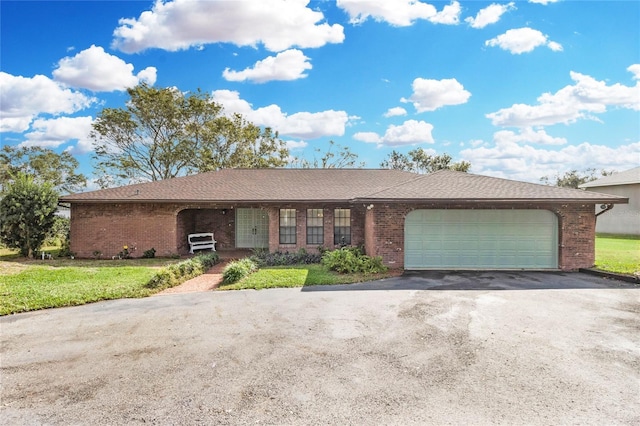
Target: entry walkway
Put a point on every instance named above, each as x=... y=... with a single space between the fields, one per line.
x=210 y=279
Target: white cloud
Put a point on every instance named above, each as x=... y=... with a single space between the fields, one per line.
x=308 y=125
x=523 y=162
x=180 y=24
x=395 y=112
x=587 y=96
x=51 y=133
x=543 y=2
x=528 y=135
x=288 y=65
x=429 y=95
x=522 y=40
x=411 y=132
x=96 y=70
x=399 y=13
x=23 y=98
x=368 y=137
x=635 y=70
x=292 y=145
x=490 y=15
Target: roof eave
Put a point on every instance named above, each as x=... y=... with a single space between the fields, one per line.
x=196 y=201
x=496 y=200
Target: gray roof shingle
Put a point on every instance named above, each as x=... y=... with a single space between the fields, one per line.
x=336 y=185
x=628 y=177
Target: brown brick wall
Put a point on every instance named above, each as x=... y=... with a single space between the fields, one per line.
x=576 y=231
x=108 y=227
x=357 y=226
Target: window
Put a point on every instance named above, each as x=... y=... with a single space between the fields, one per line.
x=342 y=227
x=287 y=226
x=315 y=226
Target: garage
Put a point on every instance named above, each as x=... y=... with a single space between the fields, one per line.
x=481 y=239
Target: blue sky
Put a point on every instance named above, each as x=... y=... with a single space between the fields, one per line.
x=520 y=89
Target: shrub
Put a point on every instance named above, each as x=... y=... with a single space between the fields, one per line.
x=237 y=270
x=301 y=257
x=149 y=254
x=178 y=273
x=349 y=260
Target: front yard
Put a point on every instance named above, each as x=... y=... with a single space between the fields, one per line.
x=27 y=284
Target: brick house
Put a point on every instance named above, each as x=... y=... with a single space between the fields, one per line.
x=442 y=220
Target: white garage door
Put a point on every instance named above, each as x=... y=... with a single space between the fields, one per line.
x=483 y=239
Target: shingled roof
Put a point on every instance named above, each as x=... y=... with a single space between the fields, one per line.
x=628 y=177
x=337 y=185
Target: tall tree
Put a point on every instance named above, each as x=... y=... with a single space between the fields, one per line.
x=163 y=133
x=44 y=165
x=574 y=178
x=27 y=212
x=418 y=161
x=335 y=157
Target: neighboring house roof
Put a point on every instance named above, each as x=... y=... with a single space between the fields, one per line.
x=628 y=177
x=337 y=185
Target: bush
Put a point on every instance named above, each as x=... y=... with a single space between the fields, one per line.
x=178 y=273
x=350 y=260
x=149 y=254
x=235 y=271
x=301 y=257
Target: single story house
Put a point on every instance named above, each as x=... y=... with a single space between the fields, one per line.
x=622 y=219
x=442 y=220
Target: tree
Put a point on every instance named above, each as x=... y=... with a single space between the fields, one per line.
x=44 y=165
x=27 y=212
x=163 y=133
x=341 y=159
x=418 y=161
x=574 y=178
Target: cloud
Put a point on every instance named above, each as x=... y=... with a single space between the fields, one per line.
x=308 y=125
x=96 y=70
x=51 y=133
x=411 y=132
x=543 y=2
x=288 y=65
x=635 y=70
x=429 y=95
x=400 y=13
x=395 y=112
x=293 y=145
x=586 y=97
x=511 y=160
x=180 y=24
x=522 y=40
x=528 y=135
x=24 y=98
x=490 y=15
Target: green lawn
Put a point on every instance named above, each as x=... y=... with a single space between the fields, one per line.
x=299 y=276
x=618 y=253
x=28 y=284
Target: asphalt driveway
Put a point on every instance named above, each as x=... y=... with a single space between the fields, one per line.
x=426 y=348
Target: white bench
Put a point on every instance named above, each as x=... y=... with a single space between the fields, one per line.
x=202 y=241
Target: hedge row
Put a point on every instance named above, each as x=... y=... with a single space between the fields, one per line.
x=178 y=273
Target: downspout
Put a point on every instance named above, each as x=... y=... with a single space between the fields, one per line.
x=605 y=208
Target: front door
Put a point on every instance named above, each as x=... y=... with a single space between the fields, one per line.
x=252 y=228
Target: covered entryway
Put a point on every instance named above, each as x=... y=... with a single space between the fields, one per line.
x=481 y=239
x=252 y=228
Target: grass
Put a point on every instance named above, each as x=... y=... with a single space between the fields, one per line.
x=30 y=284
x=618 y=253
x=299 y=276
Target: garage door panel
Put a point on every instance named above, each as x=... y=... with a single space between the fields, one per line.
x=497 y=239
